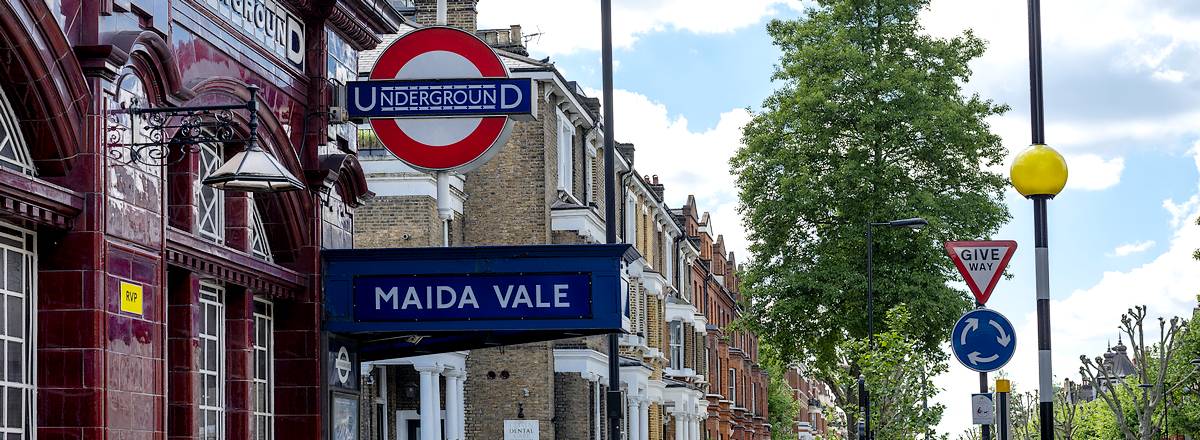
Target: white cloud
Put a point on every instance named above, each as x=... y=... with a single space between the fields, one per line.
x=1132 y=248
x=1090 y=172
x=686 y=161
x=570 y=26
x=1170 y=75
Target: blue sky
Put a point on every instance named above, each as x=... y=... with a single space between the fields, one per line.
x=1122 y=105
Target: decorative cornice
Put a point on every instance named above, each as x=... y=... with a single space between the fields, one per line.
x=225 y=264
x=351 y=26
x=29 y=199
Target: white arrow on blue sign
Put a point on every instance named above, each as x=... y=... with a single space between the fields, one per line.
x=983 y=340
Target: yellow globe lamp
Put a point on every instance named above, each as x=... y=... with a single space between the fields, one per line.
x=1039 y=171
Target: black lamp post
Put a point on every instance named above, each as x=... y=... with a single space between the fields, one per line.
x=912 y=223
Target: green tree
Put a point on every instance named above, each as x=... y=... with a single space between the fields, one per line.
x=1184 y=400
x=870 y=123
x=899 y=378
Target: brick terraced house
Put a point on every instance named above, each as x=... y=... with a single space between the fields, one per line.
x=818 y=413
x=545 y=187
x=736 y=384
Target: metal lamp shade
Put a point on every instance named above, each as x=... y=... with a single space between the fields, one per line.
x=253 y=170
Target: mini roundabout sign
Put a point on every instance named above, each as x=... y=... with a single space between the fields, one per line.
x=983 y=340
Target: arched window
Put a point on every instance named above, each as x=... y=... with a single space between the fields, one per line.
x=210 y=202
x=13 y=153
x=259 y=246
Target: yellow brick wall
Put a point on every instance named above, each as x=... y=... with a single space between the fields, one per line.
x=656 y=424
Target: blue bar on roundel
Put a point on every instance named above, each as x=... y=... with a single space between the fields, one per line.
x=474 y=297
x=477 y=97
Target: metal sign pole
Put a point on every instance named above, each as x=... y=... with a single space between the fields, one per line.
x=610 y=210
x=985 y=430
x=1003 y=387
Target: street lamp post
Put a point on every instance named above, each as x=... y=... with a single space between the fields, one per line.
x=1039 y=173
x=911 y=223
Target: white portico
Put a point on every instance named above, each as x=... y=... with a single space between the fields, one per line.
x=432 y=371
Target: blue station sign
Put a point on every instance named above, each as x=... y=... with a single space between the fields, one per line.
x=983 y=340
x=463 y=295
x=473 y=297
x=476 y=97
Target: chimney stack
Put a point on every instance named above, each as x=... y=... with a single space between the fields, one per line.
x=461 y=14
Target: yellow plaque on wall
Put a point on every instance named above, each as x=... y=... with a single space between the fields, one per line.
x=131 y=298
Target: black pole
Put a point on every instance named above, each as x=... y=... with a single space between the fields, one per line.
x=985 y=430
x=1038 y=125
x=862 y=402
x=866 y=395
x=615 y=403
x=1002 y=412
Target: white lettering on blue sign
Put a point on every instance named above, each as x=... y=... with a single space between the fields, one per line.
x=446 y=297
x=423 y=98
x=473 y=297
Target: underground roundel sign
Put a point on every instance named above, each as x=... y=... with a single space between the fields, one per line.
x=441 y=99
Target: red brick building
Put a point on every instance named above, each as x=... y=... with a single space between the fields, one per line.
x=818 y=414
x=140 y=303
x=737 y=385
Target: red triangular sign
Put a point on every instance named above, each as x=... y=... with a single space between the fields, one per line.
x=981 y=263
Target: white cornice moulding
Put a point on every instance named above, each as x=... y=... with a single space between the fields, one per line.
x=583 y=221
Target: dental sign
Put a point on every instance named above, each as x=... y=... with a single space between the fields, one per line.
x=440 y=99
x=472 y=297
x=267 y=23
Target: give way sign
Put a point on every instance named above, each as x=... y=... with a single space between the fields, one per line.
x=981 y=263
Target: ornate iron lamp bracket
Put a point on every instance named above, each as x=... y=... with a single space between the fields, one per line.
x=160 y=137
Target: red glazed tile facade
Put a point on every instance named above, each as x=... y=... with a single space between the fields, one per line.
x=102 y=372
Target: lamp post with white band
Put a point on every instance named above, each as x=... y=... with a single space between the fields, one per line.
x=1040 y=173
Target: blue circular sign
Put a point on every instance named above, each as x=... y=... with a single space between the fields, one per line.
x=983 y=340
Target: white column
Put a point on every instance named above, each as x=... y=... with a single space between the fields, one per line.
x=632 y=415
x=697 y=422
x=681 y=430
x=462 y=407
x=454 y=406
x=596 y=408
x=431 y=420
x=644 y=414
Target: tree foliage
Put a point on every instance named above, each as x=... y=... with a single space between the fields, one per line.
x=900 y=380
x=870 y=123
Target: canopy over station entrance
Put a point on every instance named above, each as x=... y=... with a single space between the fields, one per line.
x=393 y=303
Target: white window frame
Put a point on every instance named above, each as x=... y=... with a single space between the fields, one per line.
x=589 y=173
x=19 y=243
x=212 y=295
x=630 y=220
x=259 y=245
x=676 y=344
x=566 y=152
x=8 y=118
x=264 y=375
x=211 y=212
x=732 y=397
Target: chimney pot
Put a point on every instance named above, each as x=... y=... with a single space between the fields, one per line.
x=514 y=33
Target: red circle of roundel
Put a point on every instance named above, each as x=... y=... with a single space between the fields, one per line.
x=471 y=147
